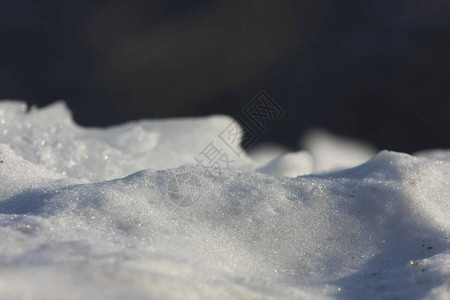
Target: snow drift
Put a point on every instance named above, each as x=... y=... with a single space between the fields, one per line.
x=126 y=212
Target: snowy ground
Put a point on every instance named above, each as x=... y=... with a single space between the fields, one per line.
x=128 y=212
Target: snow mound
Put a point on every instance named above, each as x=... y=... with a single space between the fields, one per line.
x=149 y=222
x=289 y=165
x=331 y=152
x=49 y=138
x=435 y=154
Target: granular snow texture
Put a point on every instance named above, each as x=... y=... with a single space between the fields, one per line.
x=127 y=212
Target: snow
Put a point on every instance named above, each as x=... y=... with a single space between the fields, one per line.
x=126 y=212
x=289 y=165
x=331 y=152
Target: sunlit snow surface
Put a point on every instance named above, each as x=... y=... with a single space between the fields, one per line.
x=126 y=212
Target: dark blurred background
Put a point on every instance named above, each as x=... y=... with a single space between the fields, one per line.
x=374 y=70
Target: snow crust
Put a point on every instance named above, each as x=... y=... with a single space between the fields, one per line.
x=126 y=212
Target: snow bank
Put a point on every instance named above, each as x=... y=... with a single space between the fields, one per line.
x=126 y=212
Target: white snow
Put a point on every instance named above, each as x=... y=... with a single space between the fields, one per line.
x=331 y=152
x=289 y=165
x=126 y=212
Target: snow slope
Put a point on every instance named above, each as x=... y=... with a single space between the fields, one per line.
x=126 y=212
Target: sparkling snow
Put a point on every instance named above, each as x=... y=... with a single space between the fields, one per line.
x=127 y=212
